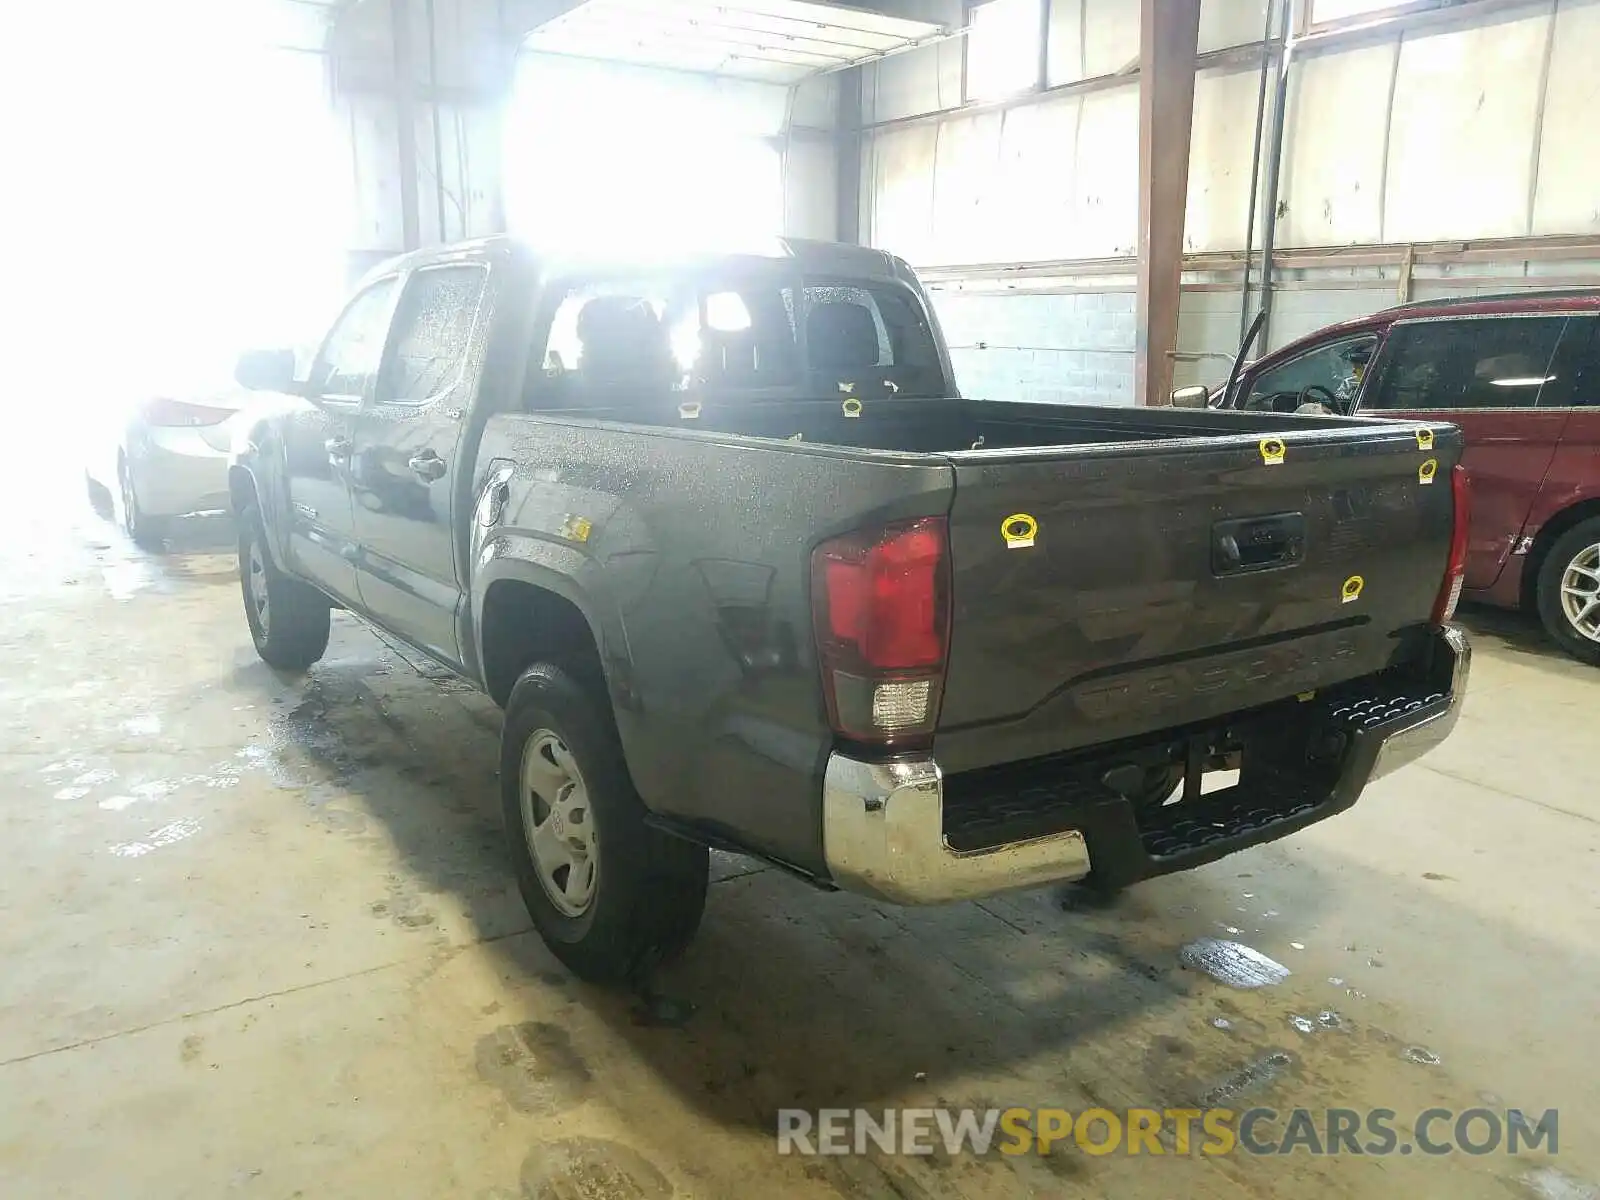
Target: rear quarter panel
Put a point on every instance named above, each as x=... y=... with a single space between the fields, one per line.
x=690 y=555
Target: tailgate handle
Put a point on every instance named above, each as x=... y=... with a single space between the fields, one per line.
x=1258 y=543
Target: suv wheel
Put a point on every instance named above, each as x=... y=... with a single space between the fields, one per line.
x=1568 y=591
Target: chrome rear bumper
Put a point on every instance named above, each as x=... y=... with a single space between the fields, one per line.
x=883 y=834
x=883 y=822
x=1414 y=736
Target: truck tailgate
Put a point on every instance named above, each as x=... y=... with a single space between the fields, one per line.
x=1108 y=591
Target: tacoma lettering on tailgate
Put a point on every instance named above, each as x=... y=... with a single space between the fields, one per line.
x=1290 y=669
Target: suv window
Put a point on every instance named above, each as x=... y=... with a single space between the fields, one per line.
x=1475 y=362
x=432 y=332
x=349 y=358
x=1337 y=366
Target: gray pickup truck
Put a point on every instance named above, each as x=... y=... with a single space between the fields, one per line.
x=746 y=571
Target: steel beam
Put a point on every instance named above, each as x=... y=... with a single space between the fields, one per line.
x=1169 y=37
x=848 y=167
x=405 y=82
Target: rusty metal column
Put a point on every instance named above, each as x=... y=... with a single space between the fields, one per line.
x=1169 y=35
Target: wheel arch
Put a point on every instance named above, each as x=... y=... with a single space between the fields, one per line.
x=1549 y=534
x=526 y=615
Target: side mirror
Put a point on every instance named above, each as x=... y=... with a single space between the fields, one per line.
x=1191 y=397
x=265 y=370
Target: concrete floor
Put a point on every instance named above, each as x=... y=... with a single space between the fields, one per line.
x=258 y=937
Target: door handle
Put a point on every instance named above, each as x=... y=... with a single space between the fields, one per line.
x=427 y=465
x=1258 y=543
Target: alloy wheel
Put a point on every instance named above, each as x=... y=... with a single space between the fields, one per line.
x=1580 y=592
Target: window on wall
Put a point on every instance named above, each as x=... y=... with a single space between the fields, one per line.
x=1004 y=48
x=1324 y=12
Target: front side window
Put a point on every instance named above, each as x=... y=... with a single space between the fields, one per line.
x=432 y=333
x=348 y=361
x=1331 y=371
x=1485 y=362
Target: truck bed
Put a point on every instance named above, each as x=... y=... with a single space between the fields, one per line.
x=953 y=425
x=1124 y=615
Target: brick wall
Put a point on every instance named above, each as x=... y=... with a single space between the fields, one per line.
x=1072 y=348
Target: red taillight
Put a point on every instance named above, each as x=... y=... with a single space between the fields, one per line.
x=881 y=603
x=1455 y=572
x=181 y=414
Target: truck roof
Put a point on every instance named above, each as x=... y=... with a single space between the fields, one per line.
x=808 y=253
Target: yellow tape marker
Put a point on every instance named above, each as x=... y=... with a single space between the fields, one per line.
x=689 y=411
x=1352 y=589
x=1427 y=471
x=1272 y=451
x=1019 y=530
x=577 y=529
x=1424 y=439
x=852 y=407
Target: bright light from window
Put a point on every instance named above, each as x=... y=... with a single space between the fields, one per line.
x=196 y=203
x=726 y=312
x=636 y=163
x=1002 y=48
x=1340 y=10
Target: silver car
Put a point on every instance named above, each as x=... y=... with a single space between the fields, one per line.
x=161 y=458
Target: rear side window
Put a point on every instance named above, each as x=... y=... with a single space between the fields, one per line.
x=349 y=358
x=1485 y=362
x=874 y=336
x=618 y=342
x=432 y=334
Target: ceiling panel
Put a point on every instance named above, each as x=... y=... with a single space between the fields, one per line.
x=776 y=41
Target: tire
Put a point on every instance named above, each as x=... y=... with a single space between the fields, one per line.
x=289 y=620
x=146 y=531
x=1570 y=571
x=630 y=897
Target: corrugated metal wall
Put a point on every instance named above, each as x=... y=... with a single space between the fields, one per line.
x=1470 y=125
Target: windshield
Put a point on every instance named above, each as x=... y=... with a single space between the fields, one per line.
x=761 y=332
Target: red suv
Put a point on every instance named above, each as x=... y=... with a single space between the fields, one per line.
x=1520 y=374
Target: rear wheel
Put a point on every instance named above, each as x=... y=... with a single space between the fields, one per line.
x=1568 y=591
x=611 y=896
x=145 y=530
x=289 y=620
